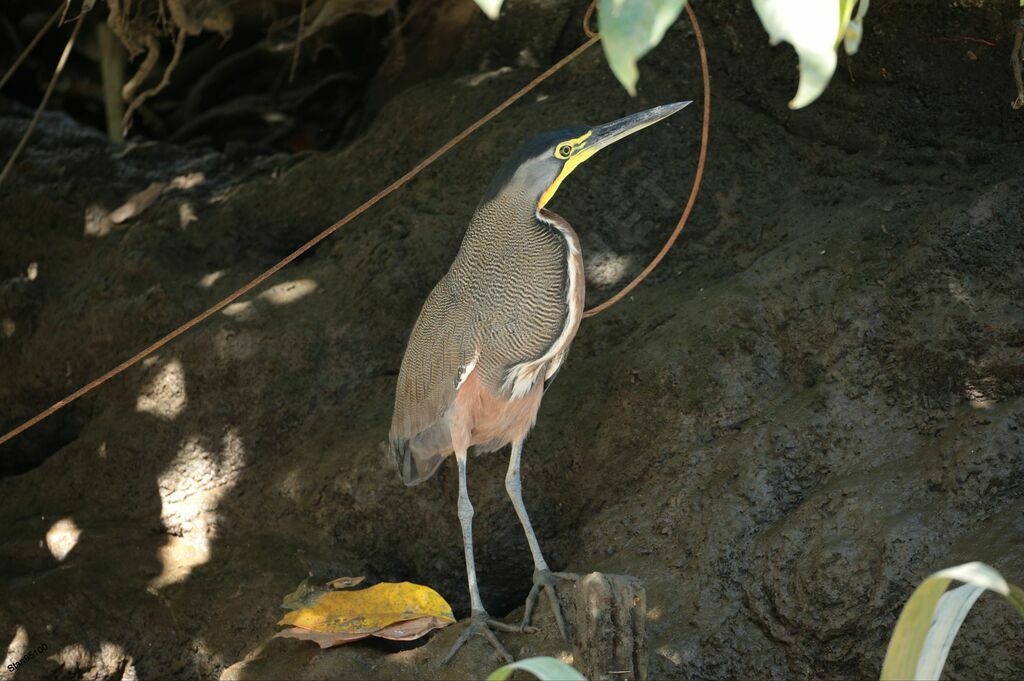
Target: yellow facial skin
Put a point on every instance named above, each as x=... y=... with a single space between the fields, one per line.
x=578 y=154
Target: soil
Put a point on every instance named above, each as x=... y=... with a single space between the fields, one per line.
x=816 y=400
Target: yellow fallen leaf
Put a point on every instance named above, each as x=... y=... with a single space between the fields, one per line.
x=368 y=610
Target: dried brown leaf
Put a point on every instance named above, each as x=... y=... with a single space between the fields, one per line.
x=325 y=639
x=305 y=594
x=411 y=630
x=345 y=582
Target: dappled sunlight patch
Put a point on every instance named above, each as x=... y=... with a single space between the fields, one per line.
x=100 y=222
x=212 y=278
x=165 y=396
x=289 y=291
x=480 y=78
x=74 y=657
x=137 y=203
x=190 y=490
x=608 y=268
x=97 y=222
x=178 y=557
x=977 y=397
x=15 y=651
x=62 y=537
x=187 y=181
x=8 y=327
x=243 y=311
x=186 y=214
x=110 y=661
x=670 y=654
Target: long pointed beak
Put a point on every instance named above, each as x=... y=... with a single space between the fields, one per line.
x=610 y=133
x=603 y=135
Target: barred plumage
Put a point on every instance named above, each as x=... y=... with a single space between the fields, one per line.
x=494 y=332
x=504 y=302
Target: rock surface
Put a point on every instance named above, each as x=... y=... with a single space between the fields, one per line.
x=814 y=402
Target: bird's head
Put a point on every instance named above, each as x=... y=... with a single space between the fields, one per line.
x=535 y=171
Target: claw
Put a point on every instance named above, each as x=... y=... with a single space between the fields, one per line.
x=545 y=579
x=481 y=624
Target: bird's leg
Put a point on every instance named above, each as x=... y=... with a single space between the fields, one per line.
x=480 y=623
x=543 y=578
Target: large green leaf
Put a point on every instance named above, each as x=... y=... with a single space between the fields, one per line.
x=544 y=668
x=932 y=616
x=490 y=7
x=950 y=612
x=811 y=27
x=629 y=29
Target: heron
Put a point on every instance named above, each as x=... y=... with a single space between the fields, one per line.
x=493 y=334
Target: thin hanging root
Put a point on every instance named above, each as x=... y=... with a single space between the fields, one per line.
x=35 y=41
x=1015 y=59
x=148 y=64
x=592 y=39
x=298 y=42
x=112 y=77
x=46 y=98
x=179 y=47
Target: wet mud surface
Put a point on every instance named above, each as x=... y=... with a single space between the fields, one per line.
x=814 y=402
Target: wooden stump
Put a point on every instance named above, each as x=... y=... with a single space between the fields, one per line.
x=609 y=635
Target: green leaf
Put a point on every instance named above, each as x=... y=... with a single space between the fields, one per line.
x=1016 y=596
x=544 y=668
x=490 y=7
x=811 y=27
x=931 y=618
x=845 y=12
x=853 y=29
x=629 y=29
x=950 y=613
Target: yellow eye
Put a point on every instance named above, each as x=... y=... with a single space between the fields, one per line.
x=564 y=151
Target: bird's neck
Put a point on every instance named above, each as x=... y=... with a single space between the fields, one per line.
x=509 y=217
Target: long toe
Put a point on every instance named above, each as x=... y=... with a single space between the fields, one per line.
x=545 y=580
x=481 y=625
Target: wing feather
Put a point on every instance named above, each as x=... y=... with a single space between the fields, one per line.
x=439 y=352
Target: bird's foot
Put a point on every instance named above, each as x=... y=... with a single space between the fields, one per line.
x=482 y=624
x=545 y=579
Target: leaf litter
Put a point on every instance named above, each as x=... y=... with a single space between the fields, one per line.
x=398 y=611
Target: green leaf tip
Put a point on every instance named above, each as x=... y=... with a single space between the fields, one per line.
x=932 y=616
x=814 y=28
x=544 y=668
x=492 y=8
x=630 y=29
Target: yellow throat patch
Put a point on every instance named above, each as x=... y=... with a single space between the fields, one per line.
x=574 y=160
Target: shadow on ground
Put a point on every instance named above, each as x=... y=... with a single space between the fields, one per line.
x=815 y=401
